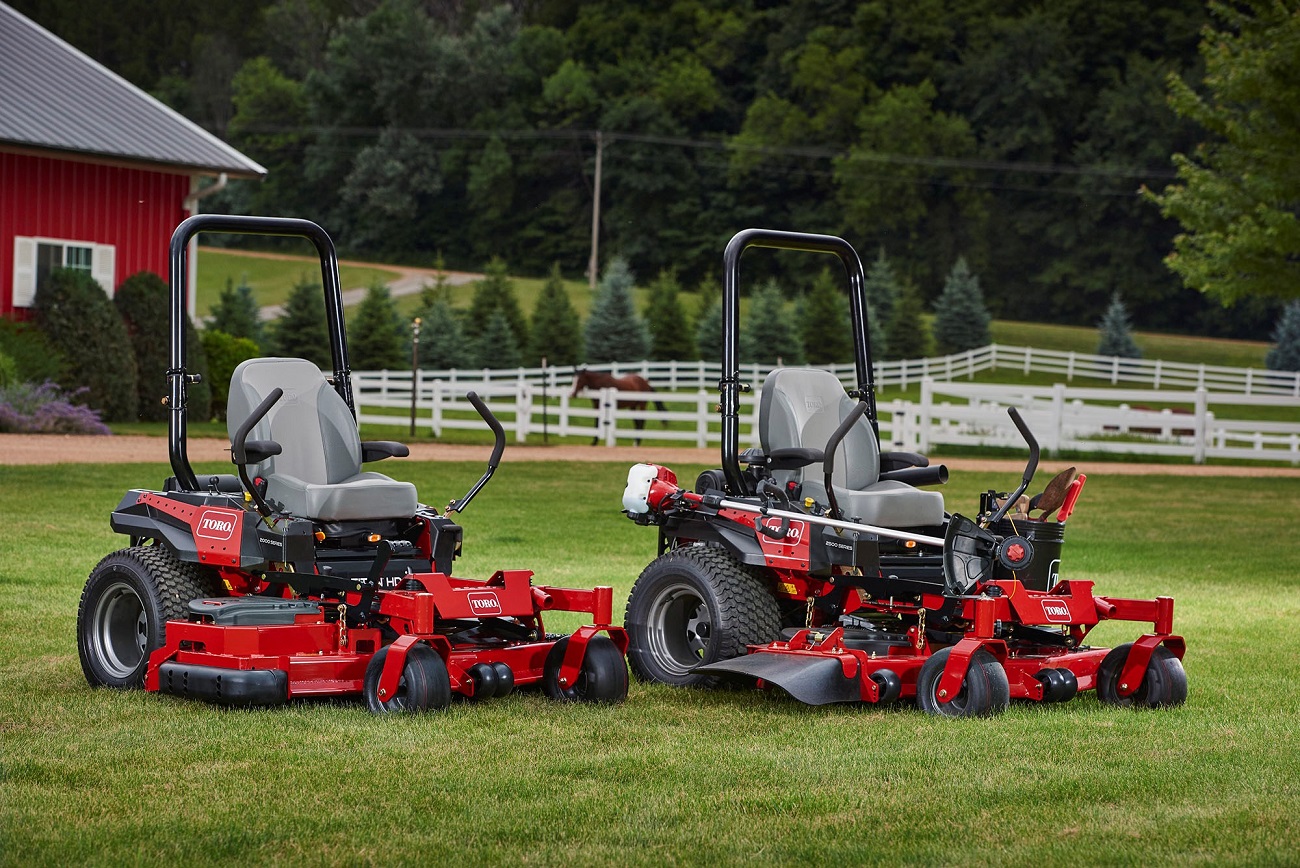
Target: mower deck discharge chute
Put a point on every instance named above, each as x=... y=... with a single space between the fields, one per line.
x=304 y=575
x=821 y=567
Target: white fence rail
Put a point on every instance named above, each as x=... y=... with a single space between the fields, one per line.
x=1068 y=366
x=1171 y=422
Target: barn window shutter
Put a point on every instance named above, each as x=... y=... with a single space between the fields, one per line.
x=103 y=267
x=24 y=271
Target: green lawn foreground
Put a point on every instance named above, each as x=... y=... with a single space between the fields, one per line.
x=672 y=776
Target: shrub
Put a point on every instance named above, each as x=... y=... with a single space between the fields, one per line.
x=906 y=335
x=26 y=408
x=142 y=301
x=496 y=292
x=708 y=322
x=82 y=324
x=443 y=344
x=823 y=322
x=35 y=359
x=671 y=336
x=8 y=370
x=224 y=353
x=496 y=346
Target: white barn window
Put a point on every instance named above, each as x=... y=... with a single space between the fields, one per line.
x=35 y=258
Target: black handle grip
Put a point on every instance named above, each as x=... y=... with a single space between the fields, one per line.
x=238 y=453
x=492 y=422
x=1030 y=467
x=833 y=444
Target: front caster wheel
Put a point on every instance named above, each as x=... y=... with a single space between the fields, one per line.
x=423 y=685
x=985 y=690
x=1163 y=684
x=603 y=677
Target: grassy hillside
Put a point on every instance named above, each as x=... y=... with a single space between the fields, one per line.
x=273 y=277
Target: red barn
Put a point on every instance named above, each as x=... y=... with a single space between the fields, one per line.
x=94 y=173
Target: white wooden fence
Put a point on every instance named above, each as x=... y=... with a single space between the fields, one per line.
x=1069 y=366
x=1183 y=413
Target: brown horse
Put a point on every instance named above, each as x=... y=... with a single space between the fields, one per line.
x=585 y=379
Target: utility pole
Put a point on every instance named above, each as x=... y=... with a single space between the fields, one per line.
x=595 y=213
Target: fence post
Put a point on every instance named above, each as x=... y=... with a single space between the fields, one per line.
x=523 y=410
x=608 y=416
x=1029 y=359
x=435 y=410
x=923 y=417
x=1058 y=417
x=1114 y=370
x=753 y=419
x=701 y=418
x=1156 y=379
x=1250 y=379
x=1069 y=368
x=1202 y=428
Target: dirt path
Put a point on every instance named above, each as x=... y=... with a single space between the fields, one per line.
x=74 y=449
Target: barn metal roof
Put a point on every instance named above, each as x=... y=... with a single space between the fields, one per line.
x=53 y=97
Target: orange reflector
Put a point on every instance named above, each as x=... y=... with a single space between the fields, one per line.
x=910 y=544
x=320 y=536
x=374 y=537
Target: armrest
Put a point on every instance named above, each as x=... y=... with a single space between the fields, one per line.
x=255 y=451
x=378 y=450
x=794 y=457
x=898 y=460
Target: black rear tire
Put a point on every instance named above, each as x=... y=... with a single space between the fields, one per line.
x=1164 y=684
x=696 y=605
x=603 y=677
x=985 y=690
x=424 y=684
x=125 y=606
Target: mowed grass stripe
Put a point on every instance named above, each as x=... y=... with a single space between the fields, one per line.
x=670 y=777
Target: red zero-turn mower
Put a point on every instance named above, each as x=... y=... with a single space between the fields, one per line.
x=303 y=575
x=822 y=569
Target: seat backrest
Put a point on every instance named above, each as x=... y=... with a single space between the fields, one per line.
x=312 y=424
x=803 y=407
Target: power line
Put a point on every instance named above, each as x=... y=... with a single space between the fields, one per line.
x=736 y=145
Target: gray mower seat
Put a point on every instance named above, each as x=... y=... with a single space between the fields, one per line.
x=802 y=407
x=318 y=473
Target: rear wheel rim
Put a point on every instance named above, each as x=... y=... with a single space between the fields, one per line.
x=681 y=626
x=120 y=635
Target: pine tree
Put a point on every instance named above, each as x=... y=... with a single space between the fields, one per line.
x=496 y=292
x=906 y=334
x=708 y=324
x=768 y=335
x=823 y=322
x=497 y=347
x=1116 y=336
x=443 y=344
x=556 y=331
x=614 y=331
x=670 y=333
x=882 y=290
x=236 y=313
x=1285 y=355
x=961 y=321
x=377 y=337
x=301 y=332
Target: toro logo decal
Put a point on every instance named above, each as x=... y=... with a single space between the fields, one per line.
x=793 y=534
x=1056 y=611
x=217 y=524
x=484 y=603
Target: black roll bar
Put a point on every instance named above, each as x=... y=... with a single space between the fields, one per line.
x=179 y=379
x=729 y=386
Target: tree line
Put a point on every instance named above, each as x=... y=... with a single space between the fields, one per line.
x=1016 y=136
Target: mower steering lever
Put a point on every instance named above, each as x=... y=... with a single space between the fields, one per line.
x=493 y=461
x=1030 y=466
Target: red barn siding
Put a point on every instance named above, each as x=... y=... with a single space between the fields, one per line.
x=135 y=210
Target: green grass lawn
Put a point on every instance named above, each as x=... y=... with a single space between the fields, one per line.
x=271 y=279
x=672 y=776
